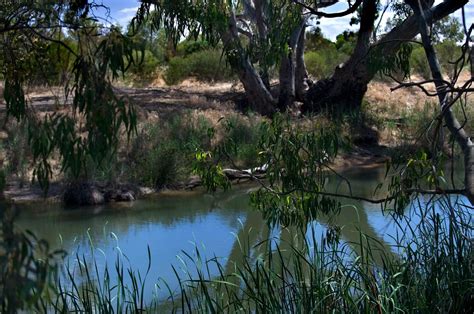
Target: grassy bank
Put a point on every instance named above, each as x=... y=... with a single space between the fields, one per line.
x=162 y=153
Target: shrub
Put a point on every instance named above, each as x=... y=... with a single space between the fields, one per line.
x=419 y=64
x=321 y=63
x=208 y=65
x=188 y=47
x=147 y=67
x=18 y=152
x=447 y=53
x=162 y=154
x=241 y=139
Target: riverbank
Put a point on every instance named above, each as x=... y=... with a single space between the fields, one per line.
x=174 y=123
x=17 y=192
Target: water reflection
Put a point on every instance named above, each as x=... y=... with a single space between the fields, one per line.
x=171 y=224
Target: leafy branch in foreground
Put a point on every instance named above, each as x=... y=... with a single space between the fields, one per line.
x=91 y=116
x=298 y=161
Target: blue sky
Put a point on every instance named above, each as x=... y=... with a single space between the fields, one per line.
x=122 y=11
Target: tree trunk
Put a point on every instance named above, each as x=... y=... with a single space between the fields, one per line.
x=348 y=84
x=288 y=69
x=301 y=76
x=452 y=123
x=257 y=91
x=258 y=95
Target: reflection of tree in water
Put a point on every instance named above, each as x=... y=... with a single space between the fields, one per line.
x=170 y=211
x=351 y=221
x=166 y=211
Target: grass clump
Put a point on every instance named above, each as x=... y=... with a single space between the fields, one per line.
x=204 y=65
x=432 y=272
x=241 y=139
x=322 y=62
x=162 y=154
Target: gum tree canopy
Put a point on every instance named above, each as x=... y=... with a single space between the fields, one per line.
x=261 y=35
x=258 y=36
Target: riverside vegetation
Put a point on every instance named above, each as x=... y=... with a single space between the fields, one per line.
x=278 y=121
x=432 y=268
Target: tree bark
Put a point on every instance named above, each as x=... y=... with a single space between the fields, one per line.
x=348 y=85
x=301 y=76
x=452 y=123
x=258 y=95
x=288 y=68
x=256 y=89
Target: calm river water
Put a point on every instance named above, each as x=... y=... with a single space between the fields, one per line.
x=172 y=223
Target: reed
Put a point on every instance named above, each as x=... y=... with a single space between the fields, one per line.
x=431 y=271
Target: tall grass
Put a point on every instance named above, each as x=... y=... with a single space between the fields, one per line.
x=432 y=272
x=162 y=154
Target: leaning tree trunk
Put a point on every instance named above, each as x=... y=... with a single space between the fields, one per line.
x=455 y=128
x=256 y=89
x=348 y=85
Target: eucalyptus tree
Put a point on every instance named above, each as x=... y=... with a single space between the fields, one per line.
x=449 y=93
x=258 y=37
x=90 y=127
x=347 y=86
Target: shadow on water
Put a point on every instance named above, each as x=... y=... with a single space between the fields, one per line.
x=221 y=225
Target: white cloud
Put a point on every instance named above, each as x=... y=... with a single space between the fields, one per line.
x=127 y=11
x=125 y=15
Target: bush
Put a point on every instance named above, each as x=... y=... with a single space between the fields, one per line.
x=147 y=68
x=241 y=139
x=419 y=64
x=162 y=154
x=447 y=52
x=18 y=152
x=208 y=65
x=321 y=63
x=188 y=47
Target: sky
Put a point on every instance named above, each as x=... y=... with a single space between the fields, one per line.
x=122 y=11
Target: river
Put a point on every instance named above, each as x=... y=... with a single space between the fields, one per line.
x=172 y=223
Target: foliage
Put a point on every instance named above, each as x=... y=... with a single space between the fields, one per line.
x=446 y=50
x=322 y=62
x=294 y=158
x=241 y=138
x=18 y=152
x=399 y=63
x=147 y=68
x=162 y=154
x=207 y=65
x=190 y=46
x=432 y=272
x=100 y=56
x=346 y=41
x=419 y=64
x=315 y=40
x=27 y=268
